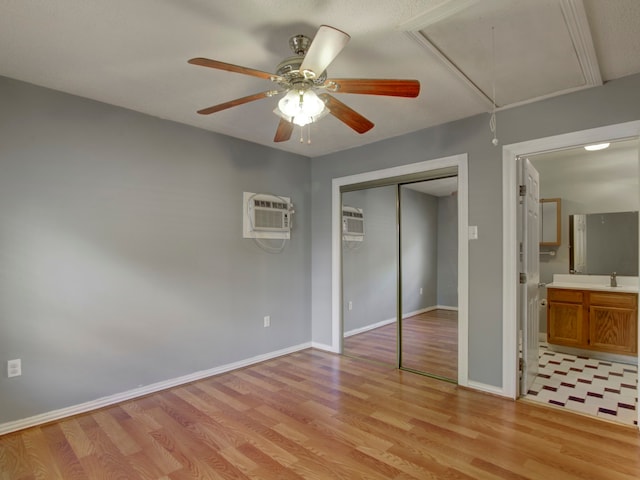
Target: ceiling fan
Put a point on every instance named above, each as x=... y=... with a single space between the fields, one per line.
x=304 y=73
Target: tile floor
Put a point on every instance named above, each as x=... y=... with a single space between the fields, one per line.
x=594 y=387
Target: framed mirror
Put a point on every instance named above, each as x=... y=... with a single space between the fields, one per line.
x=602 y=243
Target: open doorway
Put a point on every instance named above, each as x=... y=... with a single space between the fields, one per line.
x=556 y=356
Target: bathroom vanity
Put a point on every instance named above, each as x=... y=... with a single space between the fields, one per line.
x=584 y=311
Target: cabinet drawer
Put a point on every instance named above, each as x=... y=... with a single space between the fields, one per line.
x=560 y=295
x=606 y=299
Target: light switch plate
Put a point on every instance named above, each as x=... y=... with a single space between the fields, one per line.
x=473 y=232
x=14 y=368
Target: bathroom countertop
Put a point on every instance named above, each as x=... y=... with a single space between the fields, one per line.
x=594 y=282
x=594 y=286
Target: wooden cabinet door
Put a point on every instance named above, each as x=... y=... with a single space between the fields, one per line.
x=613 y=329
x=565 y=324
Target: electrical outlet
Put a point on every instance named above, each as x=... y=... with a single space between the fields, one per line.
x=14 y=368
x=420 y=290
x=267 y=321
x=350 y=306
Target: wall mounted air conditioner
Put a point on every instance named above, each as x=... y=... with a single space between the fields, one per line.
x=266 y=216
x=352 y=224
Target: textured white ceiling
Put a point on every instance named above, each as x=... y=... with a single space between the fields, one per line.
x=134 y=54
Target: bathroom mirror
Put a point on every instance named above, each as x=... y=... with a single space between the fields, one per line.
x=602 y=243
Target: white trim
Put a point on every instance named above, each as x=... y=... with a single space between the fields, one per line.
x=368 y=328
x=323 y=346
x=141 y=391
x=577 y=23
x=459 y=161
x=429 y=309
x=436 y=14
x=483 y=387
x=509 y=240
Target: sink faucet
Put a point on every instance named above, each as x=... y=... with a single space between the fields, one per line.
x=614 y=280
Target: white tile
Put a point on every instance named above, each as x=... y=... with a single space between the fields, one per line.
x=582 y=407
x=627 y=416
x=592 y=404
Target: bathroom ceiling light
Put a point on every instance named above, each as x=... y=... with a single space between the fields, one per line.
x=597 y=146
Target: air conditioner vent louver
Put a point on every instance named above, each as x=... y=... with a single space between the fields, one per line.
x=266 y=216
x=352 y=223
x=355 y=226
x=270 y=216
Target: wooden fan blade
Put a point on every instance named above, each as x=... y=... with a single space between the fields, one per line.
x=325 y=47
x=346 y=114
x=284 y=131
x=372 y=86
x=205 y=62
x=235 y=103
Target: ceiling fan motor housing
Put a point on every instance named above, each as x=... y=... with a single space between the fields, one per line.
x=289 y=69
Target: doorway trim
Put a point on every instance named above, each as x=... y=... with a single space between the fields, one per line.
x=509 y=227
x=459 y=161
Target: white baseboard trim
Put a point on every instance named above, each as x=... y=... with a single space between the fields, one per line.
x=141 y=391
x=366 y=328
x=323 y=346
x=445 y=307
x=483 y=387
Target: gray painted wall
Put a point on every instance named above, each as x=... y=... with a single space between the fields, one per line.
x=419 y=234
x=122 y=261
x=615 y=102
x=369 y=268
x=448 y=251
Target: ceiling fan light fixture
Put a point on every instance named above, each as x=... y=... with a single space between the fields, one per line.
x=301 y=119
x=301 y=107
x=597 y=146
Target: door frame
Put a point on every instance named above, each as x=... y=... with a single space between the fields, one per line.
x=459 y=161
x=510 y=272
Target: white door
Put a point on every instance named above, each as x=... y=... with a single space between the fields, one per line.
x=529 y=234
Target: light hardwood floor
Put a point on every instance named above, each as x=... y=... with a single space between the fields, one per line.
x=429 y=343
x=317 y=415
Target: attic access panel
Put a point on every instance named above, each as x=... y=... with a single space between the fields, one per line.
x=538 y=48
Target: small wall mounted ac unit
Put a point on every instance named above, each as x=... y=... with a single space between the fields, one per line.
x=352 y=223
x=266 y=216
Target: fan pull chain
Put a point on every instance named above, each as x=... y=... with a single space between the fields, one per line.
x=492 y=119
x=308 y=134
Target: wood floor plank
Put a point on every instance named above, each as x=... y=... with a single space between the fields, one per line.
x=317 y=415
x=42 y=461
x=77 y=438
x=14 y=458
x=65 y=457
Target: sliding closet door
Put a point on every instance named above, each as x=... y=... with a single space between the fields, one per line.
x=429 y=255
x=370 y=275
